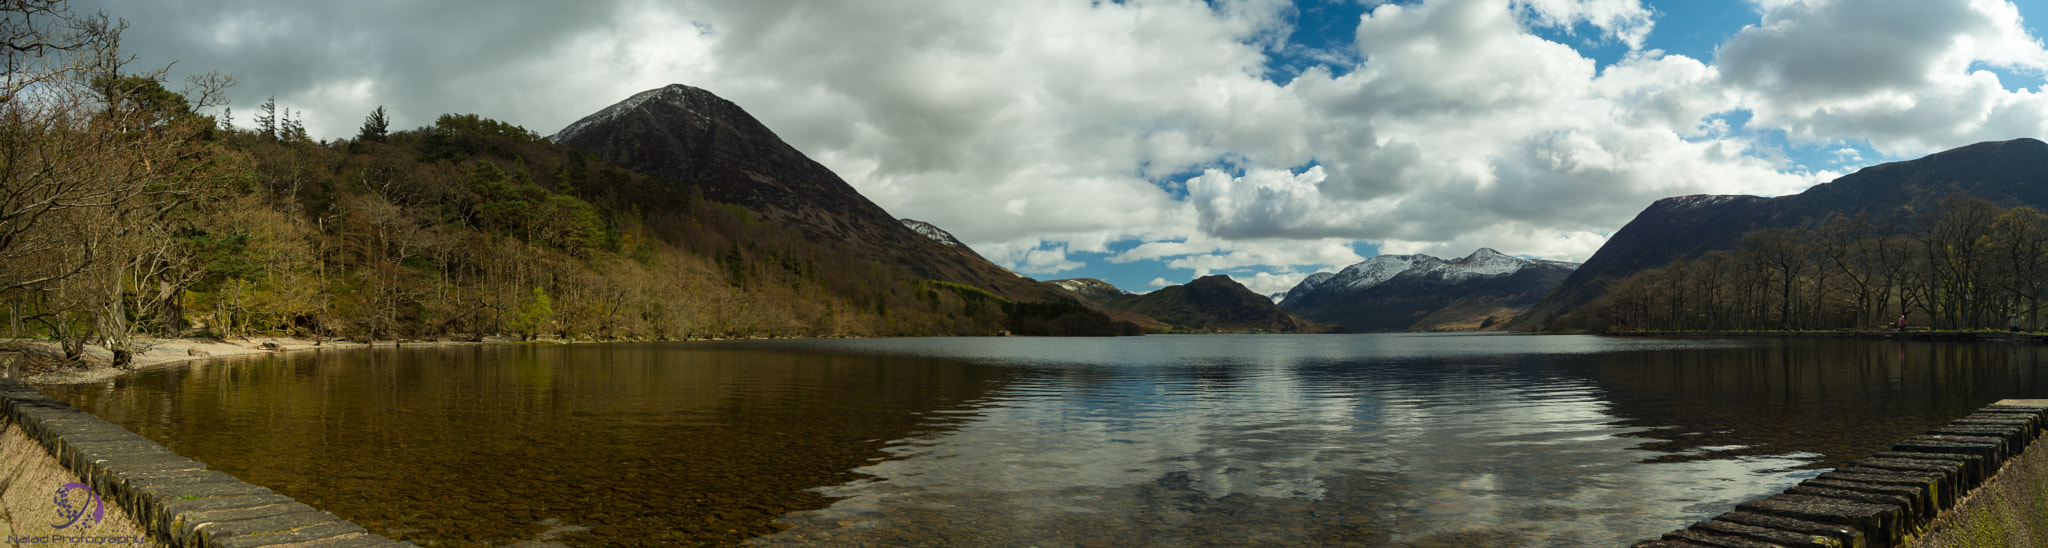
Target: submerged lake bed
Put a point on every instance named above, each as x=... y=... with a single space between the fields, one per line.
x=1178 y=440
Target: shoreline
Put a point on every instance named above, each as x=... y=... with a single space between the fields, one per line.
x=1909 y=335
x=43 y=361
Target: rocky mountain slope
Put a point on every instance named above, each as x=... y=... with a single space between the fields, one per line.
x=716 y=149
x=1424 y=293
x=2008 y=173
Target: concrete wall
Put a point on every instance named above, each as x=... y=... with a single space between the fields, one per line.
x=176 y=501
x=1973 y=482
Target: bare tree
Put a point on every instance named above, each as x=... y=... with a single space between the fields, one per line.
x=2019 y=247
x=1955 y=236
x=1777 y=252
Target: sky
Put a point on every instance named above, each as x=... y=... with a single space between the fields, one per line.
x=1149 y=142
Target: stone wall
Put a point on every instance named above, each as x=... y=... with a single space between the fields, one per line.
x=30 y=481
x=175 y=500
x=2010 y=510
x=1925 y=490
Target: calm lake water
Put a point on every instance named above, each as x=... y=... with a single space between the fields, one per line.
x=1344 y=440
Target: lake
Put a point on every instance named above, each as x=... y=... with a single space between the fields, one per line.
x=1177 y=440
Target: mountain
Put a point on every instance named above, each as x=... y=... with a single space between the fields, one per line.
x=1215 y=303
x=1090 y=289
x=719 y=151
x=932 y=231
x=1424 y=293
x=2007 y=173
x=1102 y=295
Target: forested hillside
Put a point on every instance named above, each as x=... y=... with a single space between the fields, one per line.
x=1896 y=197
x=125 y=212
x=1963 y=263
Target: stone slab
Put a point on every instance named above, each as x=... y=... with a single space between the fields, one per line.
x=1914 y=512
x=1924 y=502
x=1715 y=539
x=335 y=530
x=1990 y=451
x=1881 y=525
x=209 y=534
x=190 y=522
x=1979 y=467
x=355 y=541
x=1952 y=473
x=1775 y=537
x=167 y=512
x=1663 y=543
x=1850 y=537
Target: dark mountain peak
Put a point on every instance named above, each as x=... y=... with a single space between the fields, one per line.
x=712 y=148
x=1216 y=281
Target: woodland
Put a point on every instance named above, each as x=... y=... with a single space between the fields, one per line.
x=1962 y=264
x=130 y=212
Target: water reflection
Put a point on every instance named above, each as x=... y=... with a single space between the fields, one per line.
x=1388 y=440
x=1366 y=440
x=586 y=445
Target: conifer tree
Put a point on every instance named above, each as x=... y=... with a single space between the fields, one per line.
x=266 y=123
x=375 y=127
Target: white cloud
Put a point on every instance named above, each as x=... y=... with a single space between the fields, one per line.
x=1628 y=21
x=1265 y=283
x=1903 y=74
x=1036 y=130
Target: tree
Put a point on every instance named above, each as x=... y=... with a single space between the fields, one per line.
x=2019 y=249
x=292 y=129
x=266 y=123
x=1779 y=254
x=531 y=315
x=1956 y=235
x=376 y=128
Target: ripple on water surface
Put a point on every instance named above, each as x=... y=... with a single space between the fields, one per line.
x=1372 y=440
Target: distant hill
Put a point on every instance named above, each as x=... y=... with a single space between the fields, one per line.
x=1209 y=303
x=1424 y=293
x=2008 y=173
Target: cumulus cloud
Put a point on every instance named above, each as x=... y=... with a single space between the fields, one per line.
x=1907 y=75
x=1038 y=130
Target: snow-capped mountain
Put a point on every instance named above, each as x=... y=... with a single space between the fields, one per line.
x=1090 y=289
x=1420 y=292
x=932 y=231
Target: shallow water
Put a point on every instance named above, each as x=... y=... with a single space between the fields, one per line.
x=1367 y=440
